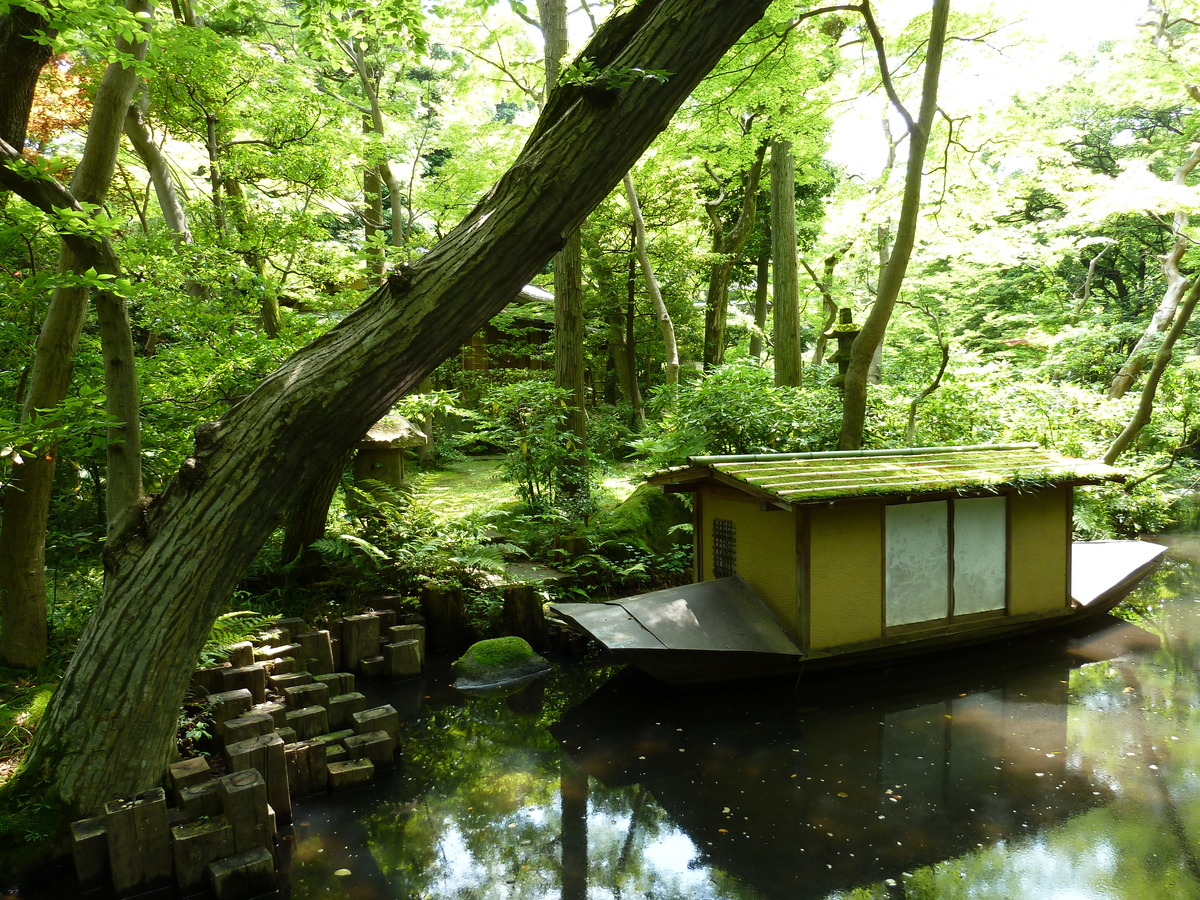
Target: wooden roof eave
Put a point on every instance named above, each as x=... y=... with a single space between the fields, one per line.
x=691 y=479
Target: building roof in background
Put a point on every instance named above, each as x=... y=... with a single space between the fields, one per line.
x=795 y=478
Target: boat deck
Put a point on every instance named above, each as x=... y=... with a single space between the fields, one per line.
x=1103 y=572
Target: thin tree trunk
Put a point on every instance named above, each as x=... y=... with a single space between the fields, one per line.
x=268 y=302
x=373 y=216
x=670 y=346
x=762 y=303
x=1176 y=285
x=27 y=499
x=111 y=724
x=1145 y=408
x=785 y=275
x=824 y=284
x=854 y=398
x=726 y=246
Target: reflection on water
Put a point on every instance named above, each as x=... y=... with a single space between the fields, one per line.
x=1057 y=770
x=1062 y=769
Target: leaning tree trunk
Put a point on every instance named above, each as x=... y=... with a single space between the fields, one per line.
x=1145 y=408
x=670 y=345
x=854 y=398
x=785 y=271
x=27 y=498
x=111 y=725
x=1176 y=284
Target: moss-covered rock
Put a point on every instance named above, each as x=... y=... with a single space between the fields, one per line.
x=645 y=520
x=498 y=664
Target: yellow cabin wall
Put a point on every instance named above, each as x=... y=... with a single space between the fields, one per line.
x=1039 y=568
x=845 y=582
x=765 y=552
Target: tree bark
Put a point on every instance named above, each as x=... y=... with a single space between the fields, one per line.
x=23 y=63
x=726 y=245
x=111 y=725
x=670 y=345
x=1145 y=408
x=26 y=501
x=785 y=275
x=854 y=398
x=1176 y=285
x=568 y=276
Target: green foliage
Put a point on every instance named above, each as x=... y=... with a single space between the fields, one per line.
x=232 y=628
x=737 y=408
x=528 y=420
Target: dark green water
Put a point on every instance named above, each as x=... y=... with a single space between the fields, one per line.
x=1056 y=770
x=1064 y=769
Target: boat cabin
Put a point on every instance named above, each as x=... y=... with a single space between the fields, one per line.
x=855 y=550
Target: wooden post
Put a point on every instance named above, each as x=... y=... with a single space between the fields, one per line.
x=139 y=844
x=342 y=707
x=243 y=876
x=301 y=695
x=402 y=659
x=240 y=728
x=408 y=632
x=308 y=768
x=381 y=718
x=244 y=797
x=187 y=772
x=196 y=844
x=252 y=677
x=265 y=753
x=89 y=847
x=524 y=616
x=308 y=721
x=316 y=652
x=228 y=704
x=360 y=640
x=445 y=619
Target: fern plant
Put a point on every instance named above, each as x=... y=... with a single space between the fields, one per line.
x=233 y=628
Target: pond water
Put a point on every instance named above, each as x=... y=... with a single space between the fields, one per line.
x=1065 y=769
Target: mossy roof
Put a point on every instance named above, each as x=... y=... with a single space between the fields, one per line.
x=796 y=478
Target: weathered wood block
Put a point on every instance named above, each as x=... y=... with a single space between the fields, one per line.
x=244 y=797
x=377 y=746
x=335 y=753
x=308 y=768
x=89 y=847
x=371 y=666
x=187 y=772
x=524 y=615
x=342 y=707
x=301 y=695
x=386 y=617
x=360 y=640
x=271 y=652
x=402 y=659
x=252 y=677
x=287 y=734
x=408 y=632
x=243 y=876
x=282 y=682
x=350 y=773
x=289 y=628
x=139 y=844
x=277 y=711
x=339 y=682
x=241 y=728
x=200 y=800
x=241 y=654
x=308 y=721
x=227 y=704
x=208 y=679
x=282 y=665
x=335 y=737
x=381 y=718
x=197 y=844
x=264 y=754
x=316 y=651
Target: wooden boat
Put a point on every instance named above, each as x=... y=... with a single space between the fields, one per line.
x=831 y=559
